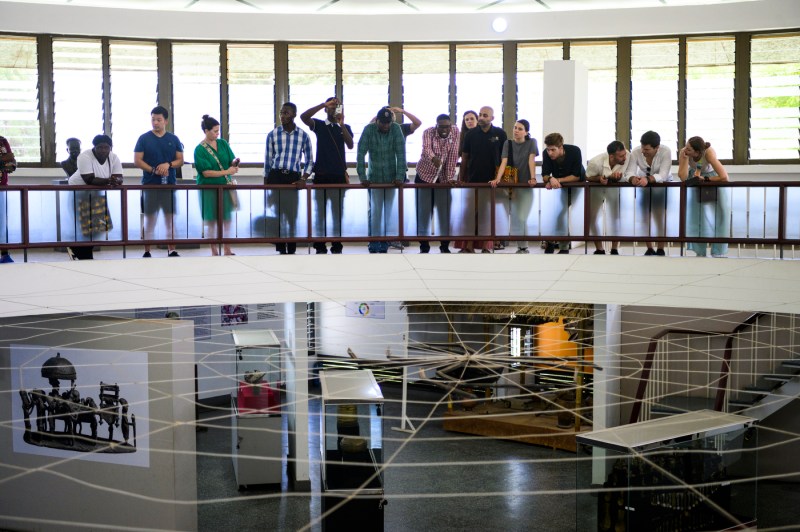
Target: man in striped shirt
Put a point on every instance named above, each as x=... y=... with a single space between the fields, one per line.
x=437 y=164
x=287 y=145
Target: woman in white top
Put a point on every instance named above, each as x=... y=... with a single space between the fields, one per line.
x=96 y=167
x=708 y=208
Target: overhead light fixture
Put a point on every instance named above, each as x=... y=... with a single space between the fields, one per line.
x=499 y=24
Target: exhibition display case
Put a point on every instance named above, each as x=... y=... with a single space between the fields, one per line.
x=683 y=472
x=256 y=421
x=351 y=450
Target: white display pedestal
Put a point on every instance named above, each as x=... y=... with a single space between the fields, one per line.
x=256 y=447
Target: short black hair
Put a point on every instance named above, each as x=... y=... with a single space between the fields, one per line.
x=651 y=138
x=614 y=146
x=291 y=106
x=331 y=98
x=160 y=110
x=443 y=117
x=73 y=139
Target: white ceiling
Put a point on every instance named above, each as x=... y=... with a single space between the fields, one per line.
x=378 y=7
x=104 y=285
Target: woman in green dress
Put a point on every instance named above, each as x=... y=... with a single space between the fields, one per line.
x=215 y=164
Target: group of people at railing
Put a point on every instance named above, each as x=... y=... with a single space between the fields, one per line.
x=486 y=154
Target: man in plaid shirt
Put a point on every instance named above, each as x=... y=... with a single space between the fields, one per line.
x=436 y=165
x=286 y=146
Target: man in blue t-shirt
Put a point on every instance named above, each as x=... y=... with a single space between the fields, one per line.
x=158 y=153
x=329 y=167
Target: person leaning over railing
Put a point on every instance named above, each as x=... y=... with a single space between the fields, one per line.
x=97 y=167
x=708 y=208
x=437 y=164
x=605 y=168
x=651 y=162
x=519 y=156
x=561 y=163
x=7 y=165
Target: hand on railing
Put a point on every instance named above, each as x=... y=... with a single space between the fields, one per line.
x=365 y=182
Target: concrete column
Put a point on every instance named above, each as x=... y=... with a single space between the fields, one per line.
x=566 y=97
x=297 y=374
x=607 y=334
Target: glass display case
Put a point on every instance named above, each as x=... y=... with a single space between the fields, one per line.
x=682 y=472
x=256 y=421
x=351 y=450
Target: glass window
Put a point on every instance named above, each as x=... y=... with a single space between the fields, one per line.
x=709 y=91
x=251 y=99
x=426 y=89
x=19 y=97
x=134 y=93
x=530 y=83
x=312 y=77
x=365 y=86
x=195 y=91
x=654 y=91
x=774 y=96
x=479 y=79
x=78 y=85
x=600 y=59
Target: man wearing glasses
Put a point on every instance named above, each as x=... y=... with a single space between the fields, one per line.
x=651 y=163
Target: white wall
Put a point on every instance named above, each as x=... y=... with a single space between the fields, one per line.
x=367 y=337
x=56 y=494
x=662 y=20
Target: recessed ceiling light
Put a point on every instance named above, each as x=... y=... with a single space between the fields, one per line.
x=499 y=24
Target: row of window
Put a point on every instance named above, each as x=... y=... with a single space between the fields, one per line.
x=680 y=87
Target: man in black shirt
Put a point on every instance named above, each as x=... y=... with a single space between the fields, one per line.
x=480 y=157
x=561 y=163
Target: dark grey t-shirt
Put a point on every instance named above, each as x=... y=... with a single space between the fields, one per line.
x=521 y=151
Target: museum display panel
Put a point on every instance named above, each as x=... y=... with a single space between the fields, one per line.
x=672 y=473
x=351 y=451
x=256 y=420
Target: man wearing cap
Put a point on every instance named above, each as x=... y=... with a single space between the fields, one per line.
x=386 y=146
x=329 y=167
x=157 y=154
x=286 y=146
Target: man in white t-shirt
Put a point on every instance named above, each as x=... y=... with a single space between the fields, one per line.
x=606 y=168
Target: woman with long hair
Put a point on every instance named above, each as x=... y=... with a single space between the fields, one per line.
x=469 y=120
x=519 y=152
x=708 y=207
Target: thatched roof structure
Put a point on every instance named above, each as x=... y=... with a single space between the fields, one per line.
x=519 y=313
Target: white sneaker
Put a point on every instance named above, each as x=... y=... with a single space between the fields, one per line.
x=522 y=251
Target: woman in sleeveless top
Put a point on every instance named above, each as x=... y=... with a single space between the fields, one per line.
x=708 y=206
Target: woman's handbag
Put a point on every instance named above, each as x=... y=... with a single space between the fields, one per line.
x=93 y=215
x=510 y=174
x=234 y=194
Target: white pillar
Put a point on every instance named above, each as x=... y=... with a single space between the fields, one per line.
x=297 y=375
x=566 y=102
x=607 y=335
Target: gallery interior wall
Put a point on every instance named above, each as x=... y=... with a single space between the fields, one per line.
x=80 y=492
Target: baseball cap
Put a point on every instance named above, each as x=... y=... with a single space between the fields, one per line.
x=385 y=116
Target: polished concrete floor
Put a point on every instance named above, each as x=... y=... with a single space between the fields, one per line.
x=436 y=481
